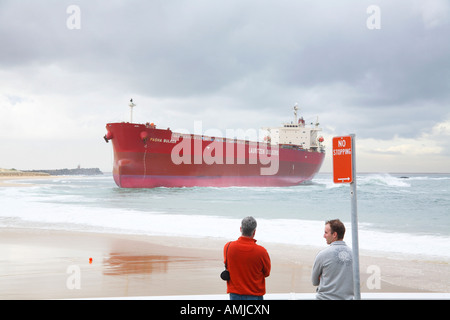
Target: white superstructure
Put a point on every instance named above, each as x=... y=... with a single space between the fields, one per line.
x=296 y=134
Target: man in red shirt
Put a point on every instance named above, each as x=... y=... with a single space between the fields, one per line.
x=248 y=264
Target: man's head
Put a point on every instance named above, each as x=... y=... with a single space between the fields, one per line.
x=248 y=227
x=334 y=231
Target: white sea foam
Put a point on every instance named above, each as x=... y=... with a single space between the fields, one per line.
x=383 y=180
x=283 y=231
x=186 y=212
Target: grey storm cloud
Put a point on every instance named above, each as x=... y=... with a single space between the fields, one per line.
x=256 y=53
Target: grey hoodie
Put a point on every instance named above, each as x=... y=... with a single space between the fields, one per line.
x=333 y=272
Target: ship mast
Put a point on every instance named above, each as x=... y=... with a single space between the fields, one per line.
x=295 y=112
x=131 y=105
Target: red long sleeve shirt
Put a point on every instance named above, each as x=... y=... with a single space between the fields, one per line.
x=249 y=265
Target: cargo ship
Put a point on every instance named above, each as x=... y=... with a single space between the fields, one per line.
x=147 y=157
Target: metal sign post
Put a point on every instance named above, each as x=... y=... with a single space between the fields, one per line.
x=355 y=244
x=344 y=171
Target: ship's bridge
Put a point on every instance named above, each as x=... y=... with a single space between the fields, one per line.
x=296 y=133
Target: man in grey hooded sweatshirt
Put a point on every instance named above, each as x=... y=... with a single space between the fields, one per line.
x=333 y=267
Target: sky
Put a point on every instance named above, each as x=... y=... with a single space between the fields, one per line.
x=378 y=69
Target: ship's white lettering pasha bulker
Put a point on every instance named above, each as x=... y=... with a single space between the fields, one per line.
x=189 y=149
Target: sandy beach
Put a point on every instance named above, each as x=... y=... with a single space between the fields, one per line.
x=43 y=264
x=8 y=179
x=52 y=264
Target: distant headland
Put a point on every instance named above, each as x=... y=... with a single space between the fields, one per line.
x=53 y=172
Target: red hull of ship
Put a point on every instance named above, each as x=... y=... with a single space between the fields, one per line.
x=144 y=158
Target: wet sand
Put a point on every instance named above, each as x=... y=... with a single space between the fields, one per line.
x=43 y=264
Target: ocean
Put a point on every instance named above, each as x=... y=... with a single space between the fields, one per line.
x=398 y=214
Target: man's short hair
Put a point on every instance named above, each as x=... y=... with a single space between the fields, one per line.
x=337 y=226
x=248 y=225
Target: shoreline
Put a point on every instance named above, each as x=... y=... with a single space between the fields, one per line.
x=41 y=263
x=8 y=179
x=50 y=264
